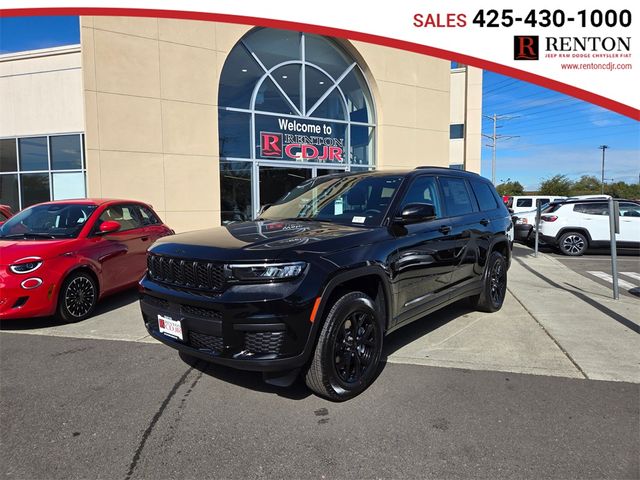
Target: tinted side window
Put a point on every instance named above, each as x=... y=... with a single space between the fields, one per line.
x=524 y=202
x=592 y=208
x=147 y=216
x=541 y=201
x=423 y=190
x=123 y=214
x=486 y=199
x=628 y=209
x=456 y=196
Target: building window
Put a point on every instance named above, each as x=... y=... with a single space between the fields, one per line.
x=40 y=169
x=293 y=101
x=456 y=130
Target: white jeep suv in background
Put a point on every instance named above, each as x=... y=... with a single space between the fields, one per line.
x=576 y=225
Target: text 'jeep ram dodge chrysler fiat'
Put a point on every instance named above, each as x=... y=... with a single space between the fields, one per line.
x=314 y=284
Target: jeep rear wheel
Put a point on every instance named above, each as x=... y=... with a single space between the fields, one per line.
x=494 y=285
x=349 y=348
x=573 y=244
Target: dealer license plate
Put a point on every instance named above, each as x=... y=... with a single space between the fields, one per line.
x=170 y=327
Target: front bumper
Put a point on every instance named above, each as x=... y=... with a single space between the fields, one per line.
x=253 y=327
x=17 y=302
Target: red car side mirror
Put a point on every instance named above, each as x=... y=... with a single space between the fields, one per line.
x=110 y=226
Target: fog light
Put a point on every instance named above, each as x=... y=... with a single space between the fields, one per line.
x=31 y=283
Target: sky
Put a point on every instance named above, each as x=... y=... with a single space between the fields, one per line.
x=31 y=33
x=553 y=133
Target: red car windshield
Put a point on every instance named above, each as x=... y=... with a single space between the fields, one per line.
x=48 y=221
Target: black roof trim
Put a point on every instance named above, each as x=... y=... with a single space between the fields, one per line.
x=448 y=169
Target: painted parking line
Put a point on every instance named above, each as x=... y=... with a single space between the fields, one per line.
x=608 y=278
x=633 y=275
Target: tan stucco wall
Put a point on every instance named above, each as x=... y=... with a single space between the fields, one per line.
x=41 y=92
x=152 y=122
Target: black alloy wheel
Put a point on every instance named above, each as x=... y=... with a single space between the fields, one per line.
x=349 y=349
x=498 y=282
x=78 y=297
x=354 y=347
x=494 y=285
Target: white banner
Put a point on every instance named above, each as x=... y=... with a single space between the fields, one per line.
x=586 y=49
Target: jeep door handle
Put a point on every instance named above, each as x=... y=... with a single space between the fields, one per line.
x=484 y=222
x=444 y=229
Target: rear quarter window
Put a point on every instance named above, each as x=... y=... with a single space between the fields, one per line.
x=456 y=196
x=484 y=195
x=599 y=208
x=524 y=202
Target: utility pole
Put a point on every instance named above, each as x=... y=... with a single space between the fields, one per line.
x=494 y=139
x=603 y=148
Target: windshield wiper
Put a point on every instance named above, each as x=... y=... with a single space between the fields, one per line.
x=29 y=234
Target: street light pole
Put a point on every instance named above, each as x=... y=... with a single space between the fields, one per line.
x=603 y=148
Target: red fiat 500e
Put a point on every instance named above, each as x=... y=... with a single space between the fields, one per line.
x=62 y=257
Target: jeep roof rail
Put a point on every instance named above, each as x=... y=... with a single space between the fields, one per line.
x=433 y=167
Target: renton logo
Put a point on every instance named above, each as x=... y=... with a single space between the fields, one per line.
x=271 y=144
x=525 y=47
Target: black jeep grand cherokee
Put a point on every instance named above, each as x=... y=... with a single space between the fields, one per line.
x=317 y=281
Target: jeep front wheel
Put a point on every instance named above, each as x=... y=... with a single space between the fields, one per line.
x=349 y=348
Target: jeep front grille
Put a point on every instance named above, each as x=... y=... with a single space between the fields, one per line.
x=189 y=274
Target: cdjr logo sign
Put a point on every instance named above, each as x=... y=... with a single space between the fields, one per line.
x=271 y=146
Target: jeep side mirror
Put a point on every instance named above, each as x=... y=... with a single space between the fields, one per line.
x=417 y=212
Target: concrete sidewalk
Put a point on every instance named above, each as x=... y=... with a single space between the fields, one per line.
x=600 y=335
x=554 y=322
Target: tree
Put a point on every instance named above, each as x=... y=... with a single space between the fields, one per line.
x=586 y=185
x=556 y=185
x=510 y=188
x=622 y=190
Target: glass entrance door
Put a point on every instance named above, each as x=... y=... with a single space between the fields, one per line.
x=275 y=182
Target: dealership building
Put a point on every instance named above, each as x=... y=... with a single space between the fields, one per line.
x=208 y=121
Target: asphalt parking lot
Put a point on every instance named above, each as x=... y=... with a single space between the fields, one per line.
x=84 y=408
x=547 y=387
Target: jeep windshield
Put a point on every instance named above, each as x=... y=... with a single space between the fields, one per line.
x=47 y=221
x=351 y=200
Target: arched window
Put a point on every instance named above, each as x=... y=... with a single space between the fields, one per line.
x=291 y=106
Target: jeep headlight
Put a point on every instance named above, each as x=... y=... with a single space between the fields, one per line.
x=26 y=265
x=265 y=272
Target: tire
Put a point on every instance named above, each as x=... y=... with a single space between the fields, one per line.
x=573 y=244
x=349 y=348
x=78 y=297
x=494 y=285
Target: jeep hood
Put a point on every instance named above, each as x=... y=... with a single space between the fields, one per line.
x=263 y=239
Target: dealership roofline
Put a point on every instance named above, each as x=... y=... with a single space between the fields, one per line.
x=41 y=52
